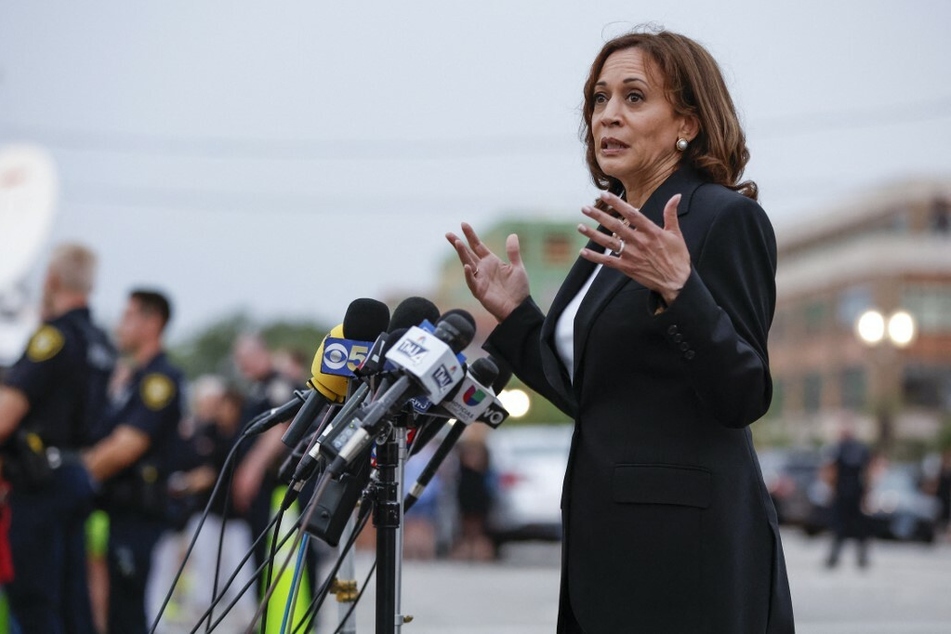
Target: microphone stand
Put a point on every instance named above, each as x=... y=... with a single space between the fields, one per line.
x=388 y=520
x=345 y=585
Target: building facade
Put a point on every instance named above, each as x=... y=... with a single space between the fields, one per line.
x=889 y=253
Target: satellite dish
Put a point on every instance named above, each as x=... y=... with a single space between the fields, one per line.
x=28 y=190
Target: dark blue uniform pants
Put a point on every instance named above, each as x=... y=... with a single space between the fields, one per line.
x=131 y=542
x=49 y=592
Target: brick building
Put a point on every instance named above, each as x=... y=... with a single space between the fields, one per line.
x=888 y=252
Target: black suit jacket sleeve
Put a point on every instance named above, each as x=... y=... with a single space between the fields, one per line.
x=517 y=341
x=719 y=322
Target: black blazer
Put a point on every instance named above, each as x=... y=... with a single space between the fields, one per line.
x=668 y=524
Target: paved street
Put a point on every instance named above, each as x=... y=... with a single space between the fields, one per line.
x=904 y=592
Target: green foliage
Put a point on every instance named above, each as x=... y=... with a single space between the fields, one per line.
x=209 y=350
x=943 y=441
x=294 y=335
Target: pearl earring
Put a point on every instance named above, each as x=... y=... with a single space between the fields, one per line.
x=682 y=145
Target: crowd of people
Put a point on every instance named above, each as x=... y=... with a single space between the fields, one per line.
x=110 y=454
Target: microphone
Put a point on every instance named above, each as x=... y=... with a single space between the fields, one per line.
x=487 y=371
x=364 y=320
x=427 y=365
x=308 y=462
x=413 y=311
x=470 y=399
x=265 y=420
x=410 y=312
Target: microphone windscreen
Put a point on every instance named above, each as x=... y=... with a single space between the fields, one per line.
x=484 y=371
x=456 y=328
x=461 y=313
x=412 y=311
x=365 y=319
x=394 y=336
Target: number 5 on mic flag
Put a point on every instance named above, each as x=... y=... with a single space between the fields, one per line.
x=343 y=356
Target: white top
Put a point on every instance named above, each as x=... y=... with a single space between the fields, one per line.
x=565 y=326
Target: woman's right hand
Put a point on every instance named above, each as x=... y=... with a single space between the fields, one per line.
x=499 y=286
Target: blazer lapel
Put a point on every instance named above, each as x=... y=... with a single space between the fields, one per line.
x=555 y=371
x=609 y=281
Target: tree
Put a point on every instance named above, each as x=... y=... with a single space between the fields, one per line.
x=209 y=350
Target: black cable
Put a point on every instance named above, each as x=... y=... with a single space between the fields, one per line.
x=251 y=582
x=217 y=598
x=221 y=536
x=191 y=545
x=317 y=603
x=270 y=565
x=319 y=598
x=318 y=493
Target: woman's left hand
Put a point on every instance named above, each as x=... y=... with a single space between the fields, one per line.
x=656 y=257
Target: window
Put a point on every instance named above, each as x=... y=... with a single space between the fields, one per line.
x=852 y=303
x=854 y=388
x=558 y=249
x=812 y=393
x=941 y=216
x=925 y=386
x=814 y=316
x=930 y=304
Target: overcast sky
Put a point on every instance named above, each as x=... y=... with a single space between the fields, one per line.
x=288 y=157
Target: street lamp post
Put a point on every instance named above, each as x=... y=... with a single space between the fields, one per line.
x=885 y=336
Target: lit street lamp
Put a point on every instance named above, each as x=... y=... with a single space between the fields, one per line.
x=516 y=402
x=896 y=331
x=899 y=330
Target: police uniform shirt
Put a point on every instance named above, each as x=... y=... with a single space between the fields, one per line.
x=272 y=391
x=52 y=374
x=151 y=402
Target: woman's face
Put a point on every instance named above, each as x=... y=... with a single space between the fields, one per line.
x=634 y=126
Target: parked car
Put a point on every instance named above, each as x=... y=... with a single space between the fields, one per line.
x=789 y=474
x=529 y=463
x=898 y=509
x=895 y=505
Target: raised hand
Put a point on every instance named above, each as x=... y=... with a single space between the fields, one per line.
x=499 y=286
x=657 y=257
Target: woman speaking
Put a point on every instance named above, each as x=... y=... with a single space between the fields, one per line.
x=656 y=346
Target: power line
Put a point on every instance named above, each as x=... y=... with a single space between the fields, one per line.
x=289 y=149
x=139 y=197
x=225 y=147
x=893 y=114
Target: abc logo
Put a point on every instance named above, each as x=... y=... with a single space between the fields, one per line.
x=336 y=356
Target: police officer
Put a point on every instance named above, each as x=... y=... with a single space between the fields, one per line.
x=134 y=459
x=48 y=403
x=850 y=462
x=256 y=474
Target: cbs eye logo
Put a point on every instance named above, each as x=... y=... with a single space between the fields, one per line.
x=336 y=356
x=341 y=353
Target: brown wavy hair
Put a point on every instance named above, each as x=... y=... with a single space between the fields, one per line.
x=694 y=86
